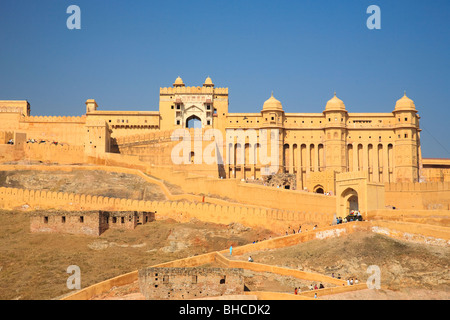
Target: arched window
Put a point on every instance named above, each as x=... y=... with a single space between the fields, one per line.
x=193 y=122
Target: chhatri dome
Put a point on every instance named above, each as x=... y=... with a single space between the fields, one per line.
x=208 y=82
x=335 y=104
x=178 y=82
x=272 y=104
x=405 y=103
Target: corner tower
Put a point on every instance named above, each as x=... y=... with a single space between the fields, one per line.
x=272 y=115
x=335 y=134
x=406 y=152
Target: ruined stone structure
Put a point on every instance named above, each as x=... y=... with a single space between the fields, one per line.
x=86 y=222
x=190 y=283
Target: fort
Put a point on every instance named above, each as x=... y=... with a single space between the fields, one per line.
x=322 y=166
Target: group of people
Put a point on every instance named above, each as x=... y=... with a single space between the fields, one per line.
x=311 y=288
x=350 y=281
x=43 y=141
x=293 y=230
x=10 y=141
x=353 y=216
x=299 y=230
x=315 y=287
x=256 y=241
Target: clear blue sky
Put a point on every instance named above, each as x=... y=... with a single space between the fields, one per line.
x=303 y=50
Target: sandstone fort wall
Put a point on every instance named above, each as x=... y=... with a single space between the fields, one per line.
x=405 y=231
x=279 y=220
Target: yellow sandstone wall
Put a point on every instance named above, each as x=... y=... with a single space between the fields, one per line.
x=430 y=217
x=418 y=196
x=405 y=231
x=277 y=220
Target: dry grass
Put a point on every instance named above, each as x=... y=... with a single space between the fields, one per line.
x=95 y=183
x=404 y=266
x=34 y=265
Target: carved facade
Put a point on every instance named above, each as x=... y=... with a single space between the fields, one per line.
x=385 y=146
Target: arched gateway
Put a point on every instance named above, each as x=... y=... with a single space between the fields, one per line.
x=355 y=192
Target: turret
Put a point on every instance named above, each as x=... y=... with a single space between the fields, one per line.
x=406 y=141
x=335 y=132
x=91 y=105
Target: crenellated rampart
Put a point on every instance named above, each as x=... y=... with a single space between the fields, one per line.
x=193 y=90
x=276 y=220
x=74 y=119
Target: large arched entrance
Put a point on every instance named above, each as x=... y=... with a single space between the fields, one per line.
x=193 y=122
x=354 y=192
x=353 y=203
x=350 y=200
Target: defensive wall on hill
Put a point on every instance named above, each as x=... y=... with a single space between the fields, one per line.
x=416 y=196
x=276 y=220
x=419 y=196
x=406 y=231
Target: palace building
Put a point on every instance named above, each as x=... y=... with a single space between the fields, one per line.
x=313 y=147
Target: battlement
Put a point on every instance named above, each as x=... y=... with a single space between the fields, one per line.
x=75 y=119
x=193 y=90
x=418 y=186
x=158 y=136
x=275 y=219
x=48 y=146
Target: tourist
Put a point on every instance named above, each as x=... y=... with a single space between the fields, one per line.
x=315 y=295
x=315 y=287
x=311 y=287
x=295 y=291
x=250 y=259
x=321 y=286
x=231 y=250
